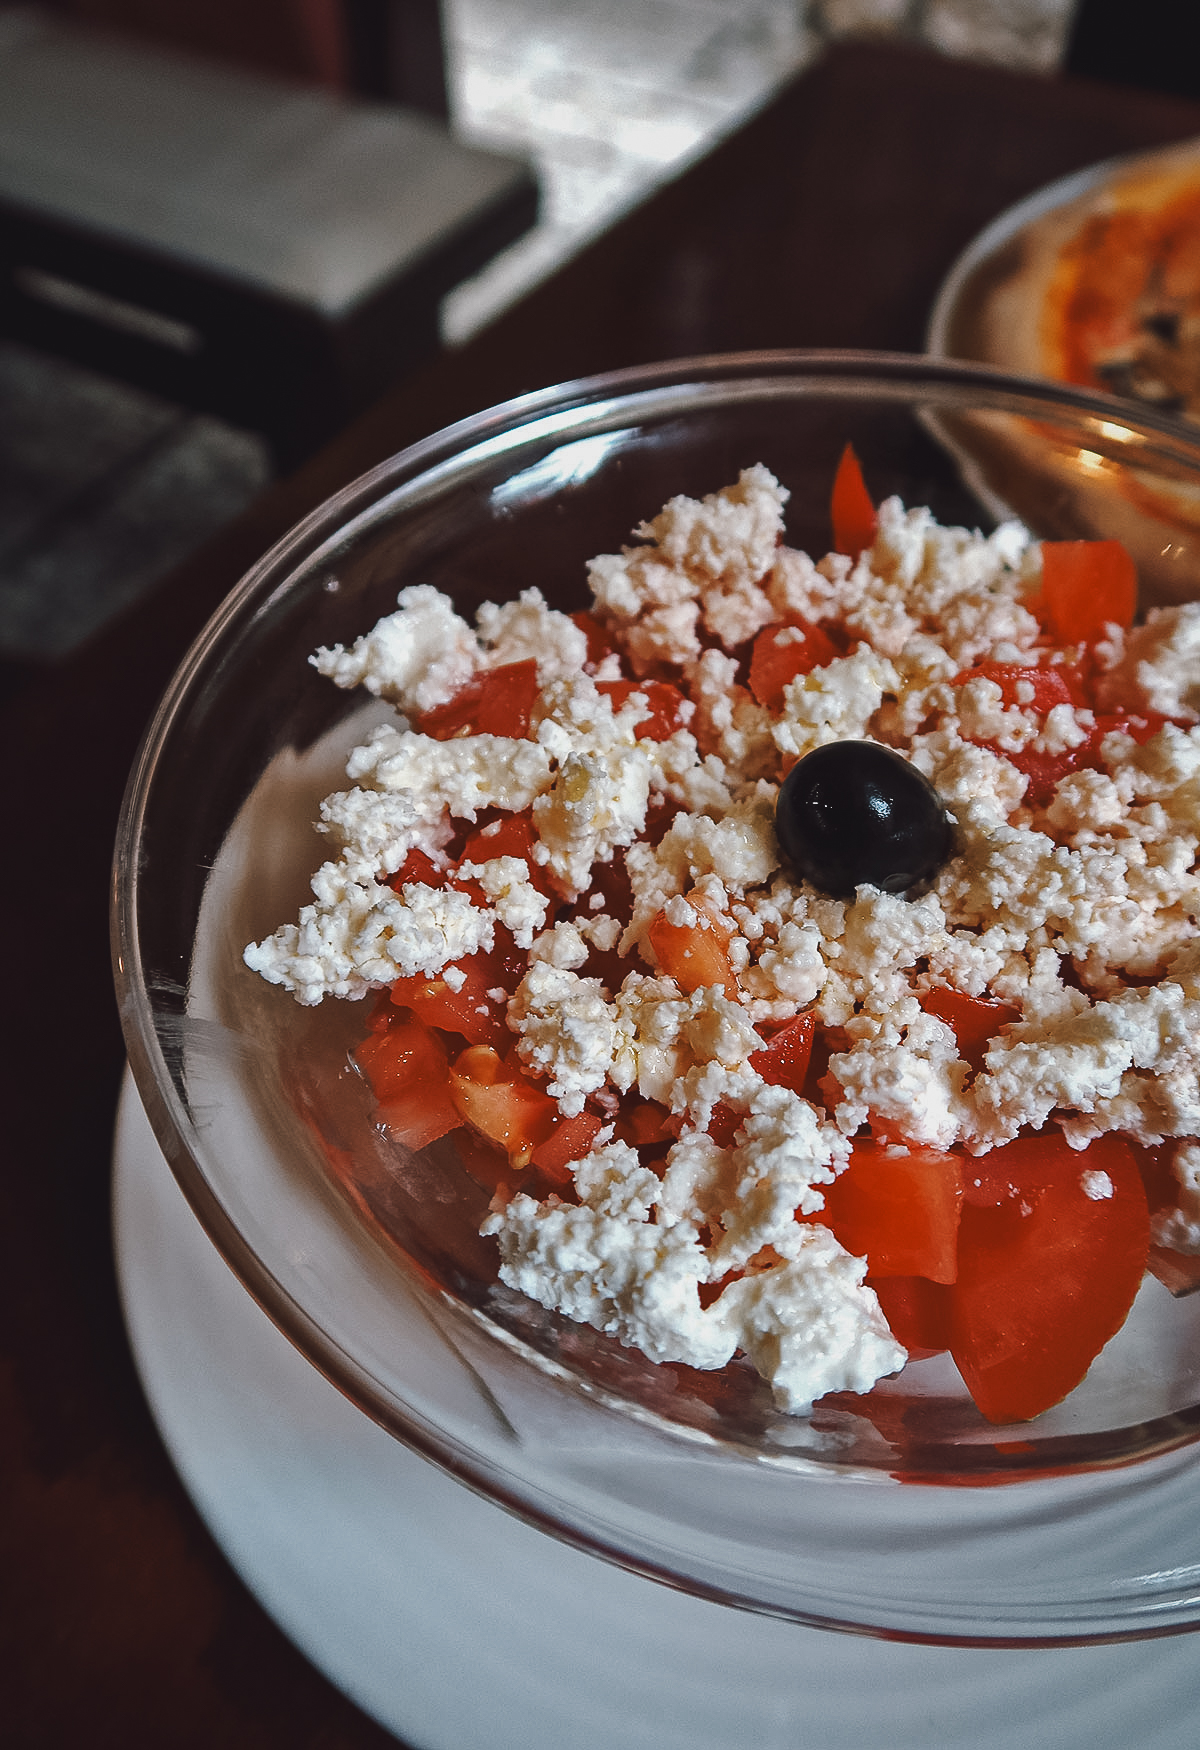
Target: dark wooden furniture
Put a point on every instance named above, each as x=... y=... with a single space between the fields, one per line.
x=390 y=49
x=829 y=220
x=262 y=249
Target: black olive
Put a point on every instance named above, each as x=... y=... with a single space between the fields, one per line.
x=1163 y=325
x=853 y=812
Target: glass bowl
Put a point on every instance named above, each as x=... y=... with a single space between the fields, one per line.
x=881 y=1513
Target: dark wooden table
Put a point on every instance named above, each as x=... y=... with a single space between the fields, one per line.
x=828 y=221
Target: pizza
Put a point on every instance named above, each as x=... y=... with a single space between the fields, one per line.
x=1121 y=308
x=1096 y=282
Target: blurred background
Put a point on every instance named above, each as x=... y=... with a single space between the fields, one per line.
x=106 y=482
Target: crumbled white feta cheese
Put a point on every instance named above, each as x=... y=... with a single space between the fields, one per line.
x=566 y=1030
x=365 y=936
x=527 y=630
x=1159 y=669
x=811 y=1326
x=418 y=657
x=1179 y=1228
x=1076 y=904
x=834 y=703
x=808 y=1324
x=461 y=776
x=516 y=901
x=596 y=804
x=704 y=561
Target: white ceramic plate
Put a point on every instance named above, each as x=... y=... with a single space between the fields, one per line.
x=460 y=1628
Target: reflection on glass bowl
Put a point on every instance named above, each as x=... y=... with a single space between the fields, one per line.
x=369 y=1257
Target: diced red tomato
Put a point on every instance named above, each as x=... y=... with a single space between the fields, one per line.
x=660 y=814
x=1158 y=1177
x=781 y=653
x=570 y=1140
x=1039 y=690
x=496 y=1097
x=918 y=1312
x=400 y=1054
x=975 y=1020
x=1045 y=770
x=510 y=835
x=417 y=867
x=487 y=1163
x=1177 y=1271
x=381 y=1013
x=1140 y=729
x=664 y=714
x=899 y=1208
x=851 y=509
x=498 y=701
x=1046 y=1272
x=1047 y=687
x=476 y=1010
x=1087 y=585
x=471 y=1011
x=784 y=1059
x=610 y=895
x=724 y=1124
x=406 y=1066
x=646 y=1124
x=1028 y=686
x=694 y=955
x=420 y=1115
x=599 y=639
x=611 y=881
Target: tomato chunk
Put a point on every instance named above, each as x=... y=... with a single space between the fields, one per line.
x=646 y=1124
x=664 y=706
x=1045 y=770
x=1051 y=1250
x=1087 y=585
x=851 y=509
x=898 y=1206
x=471 y=1011
x=417 y=867
x=724 y=1124
x=781 y=654
x=784 y=1059
x=694 y=955
x=395 y=1056
x=570 y=1140
x=599 y=639
x=512 y=835
x=1028 y=686
x=974 y=1020
x=497 y=1099
x=918 y=1312
x=406 y=1066
x=499 y=701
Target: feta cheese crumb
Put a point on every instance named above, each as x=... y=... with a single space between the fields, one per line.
x=418 y=657
x=369 y=937
x=703 y=562
x=1179 y=1229
x=517 y=902
x=809 y=1325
